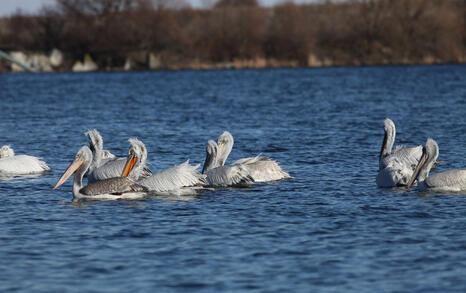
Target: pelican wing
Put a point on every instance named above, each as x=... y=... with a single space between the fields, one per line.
x=176 y=177
x=232 y=175
x=452 y=180
x=116 y=185
x=406 y=156
x=22 y=164
x=111 y=168
x=263 y=169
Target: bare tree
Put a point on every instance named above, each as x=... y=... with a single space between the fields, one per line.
x=236 y=3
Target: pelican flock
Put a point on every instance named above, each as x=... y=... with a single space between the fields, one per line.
x=13 y=165
x=179 y=179
x=110 y=177
x=104 y=164
x=111 y=188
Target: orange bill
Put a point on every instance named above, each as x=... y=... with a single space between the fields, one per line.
x=129 y=166
x=71 y=169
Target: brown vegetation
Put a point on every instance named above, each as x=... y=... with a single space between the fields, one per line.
x=240 y=33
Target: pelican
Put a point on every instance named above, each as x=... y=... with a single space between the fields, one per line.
x=395 y=169
x=10 y=164
x=224 y=176
x=104 y=164
x=402 y=155
x=262 y=169
x=180 y=179
x=448 y=181
x=112 y=188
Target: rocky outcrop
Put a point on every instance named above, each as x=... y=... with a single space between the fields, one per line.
x=56 y=58
x=87 y=65
x=144 y=60
x=39 y=62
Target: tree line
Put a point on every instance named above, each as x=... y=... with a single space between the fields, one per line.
x=241 y=32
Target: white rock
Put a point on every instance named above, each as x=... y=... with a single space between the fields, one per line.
x=56 y=58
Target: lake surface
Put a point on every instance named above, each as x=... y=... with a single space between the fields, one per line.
x=329 y=229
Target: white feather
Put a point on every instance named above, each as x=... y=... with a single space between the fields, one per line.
x=22 y=165
x=403 y=156
x=263 y=169
x=110 y=168
x=393 y=176
x=104 y=197
x=232 y=175
x=174 y=178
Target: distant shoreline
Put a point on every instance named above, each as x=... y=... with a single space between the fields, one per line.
x=41 y=62
x=89 y=37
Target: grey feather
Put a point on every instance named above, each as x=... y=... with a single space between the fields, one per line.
x=116 y=185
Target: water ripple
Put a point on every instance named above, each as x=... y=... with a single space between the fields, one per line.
x=329 y=229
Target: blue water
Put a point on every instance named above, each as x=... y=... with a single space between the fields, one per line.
x=329 y=229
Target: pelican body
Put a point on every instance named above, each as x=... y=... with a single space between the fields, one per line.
x=262 y=169
x=112 y=188
x=11 y=164
x=395 y=169
x=104 y=164
x=179 y=179
x=448 y=181
x=224 y=176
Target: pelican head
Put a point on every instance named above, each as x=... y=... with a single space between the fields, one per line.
x=225 y=144
x=388 y=138
x=107 y=155
x=430 y=153
x=81 y=163
x=6 y=151
x=137 y=156
x=211 y=156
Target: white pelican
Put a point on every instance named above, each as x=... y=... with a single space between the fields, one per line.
x=224 y=176
x=104 y=164
x=20 y=164
x=262 y=169
x=112 y=188
x=180 y=179
x=395 y=169
x=402 y=155
x=448 y=181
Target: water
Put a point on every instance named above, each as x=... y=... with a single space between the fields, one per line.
x=330 y=229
